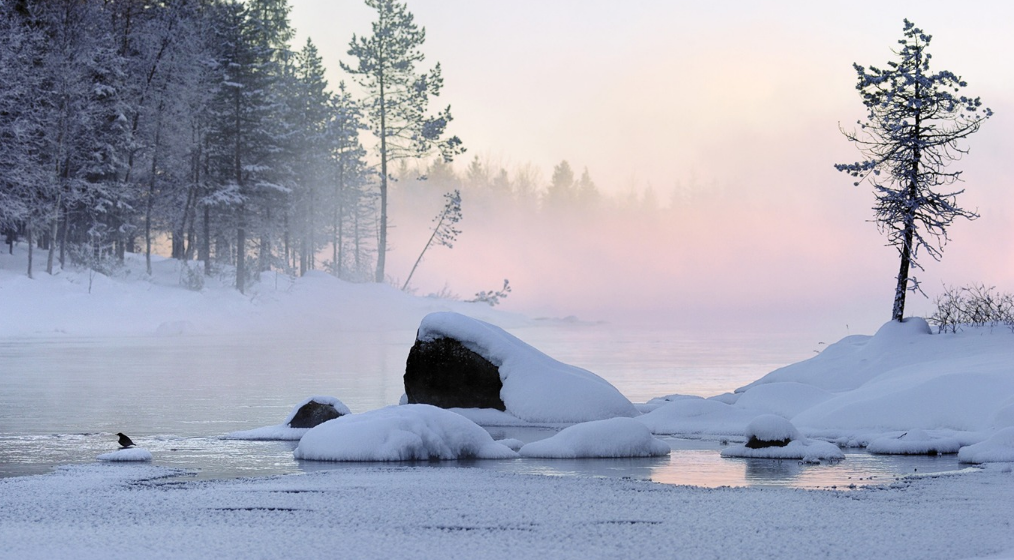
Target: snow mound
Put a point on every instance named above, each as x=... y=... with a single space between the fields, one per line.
x=806 y=450
x=785 y=399
x=284 y=432
x=412 y=432
x=128 y=454
x=536 y=388
x=998 y=448
x=615 y=437
x=697 y=416
x=914 y=442
x=769 y=427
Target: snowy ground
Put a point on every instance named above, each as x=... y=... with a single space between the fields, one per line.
x=116 y=511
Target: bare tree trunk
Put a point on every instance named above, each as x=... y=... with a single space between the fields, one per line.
x=241 y=250
x=28 y=234
x=901 y=290
x=54 y=226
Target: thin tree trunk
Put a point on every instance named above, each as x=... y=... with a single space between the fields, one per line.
x=28 y=234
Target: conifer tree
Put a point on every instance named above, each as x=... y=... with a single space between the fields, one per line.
x=915 y=123
x=398 y=98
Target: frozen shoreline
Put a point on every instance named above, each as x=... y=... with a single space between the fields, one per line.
x=130 y=511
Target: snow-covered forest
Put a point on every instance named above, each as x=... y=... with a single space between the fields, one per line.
x=191 y=124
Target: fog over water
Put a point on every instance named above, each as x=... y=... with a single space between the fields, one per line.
x=727 y=117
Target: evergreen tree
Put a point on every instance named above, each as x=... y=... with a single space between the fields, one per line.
x=350 y=202
x=398 y=98
x=916 y=119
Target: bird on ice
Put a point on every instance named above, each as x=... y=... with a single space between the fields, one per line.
x=125 y=441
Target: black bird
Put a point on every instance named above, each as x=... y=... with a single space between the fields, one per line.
x=125 y=441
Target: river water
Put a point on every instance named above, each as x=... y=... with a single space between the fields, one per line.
x=62 y=399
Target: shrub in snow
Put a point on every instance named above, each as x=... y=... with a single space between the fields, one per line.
x=535 y=387
x=615 y=437
x=769 y=430
x=998 y=448
x=913 y=442
x=412 y=432
x=309 y=413
x=129 y=454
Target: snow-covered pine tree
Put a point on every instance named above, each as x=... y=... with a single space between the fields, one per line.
x=398 y=98
x=916 y=119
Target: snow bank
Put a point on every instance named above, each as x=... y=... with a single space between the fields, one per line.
x=536 y=388
x=806 y=450
x=284 y=432
x=615 y=437
x=129 y=454
x=412 y=432
x=697 y=416
x=914 y=442
x=129 y=302
x=902 y=379
x=998 y=448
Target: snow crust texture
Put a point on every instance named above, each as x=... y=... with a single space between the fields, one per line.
x=536 y=388
x=615 y=437
x=104 y=511
x=411 y=432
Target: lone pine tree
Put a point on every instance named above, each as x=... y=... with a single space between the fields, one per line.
x=915 y=121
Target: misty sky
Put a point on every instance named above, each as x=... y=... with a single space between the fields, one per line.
x=740 y=101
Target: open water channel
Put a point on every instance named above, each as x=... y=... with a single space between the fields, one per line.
x=63 y=398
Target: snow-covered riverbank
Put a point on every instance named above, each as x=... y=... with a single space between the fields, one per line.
x=126 y=511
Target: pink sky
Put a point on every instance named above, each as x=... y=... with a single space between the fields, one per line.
x=743 y=96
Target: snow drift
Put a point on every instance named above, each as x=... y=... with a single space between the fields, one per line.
x=411 y=432
x=615 y=437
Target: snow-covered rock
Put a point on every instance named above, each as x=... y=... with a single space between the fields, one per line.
x=998 y=448
x=412 y=432
x=773 y=437
x=914 y=442
x=614 y=437
x=536 y=388
x=770 y=430
x=308 y=413
x=127 y=454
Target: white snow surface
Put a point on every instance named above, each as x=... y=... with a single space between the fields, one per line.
x=129 y=302
x=411 y=432
x=283 y=431
x=806 y=450
x=113 y=511
x=536 y=387
x=614 y=437
x=770 y=427
x=998 y=448
x=914 y=442
x=128 y=454
x=862 y=388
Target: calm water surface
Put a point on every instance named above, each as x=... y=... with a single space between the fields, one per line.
x=61 y=399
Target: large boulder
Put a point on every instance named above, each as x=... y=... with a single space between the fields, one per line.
x=459 y=362
x=443 y=373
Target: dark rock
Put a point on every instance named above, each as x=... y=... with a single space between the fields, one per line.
x=444 y=373
x=312 y=414
x=754 y=443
